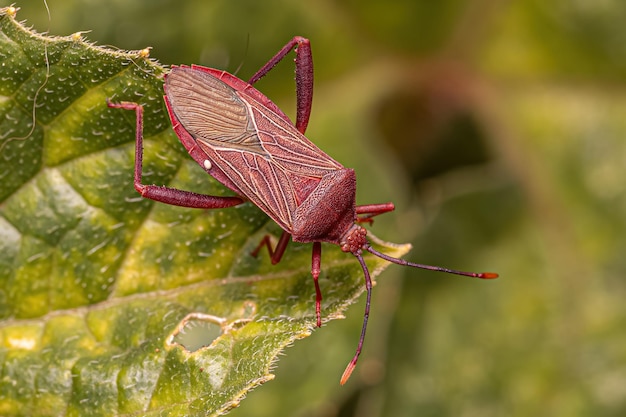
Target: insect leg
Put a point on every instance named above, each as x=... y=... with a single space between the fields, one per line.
x=167 y=195
x=304 y=77
x=370 y=210
x=316 y=263
x=275 y=254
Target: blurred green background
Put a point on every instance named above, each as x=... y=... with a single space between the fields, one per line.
x=498 y=129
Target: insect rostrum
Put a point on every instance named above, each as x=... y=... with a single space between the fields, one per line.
x=242 y=139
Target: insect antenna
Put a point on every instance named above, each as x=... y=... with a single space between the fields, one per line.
x=482 y=275
x=368 y=287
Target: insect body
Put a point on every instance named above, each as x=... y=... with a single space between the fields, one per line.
x=259 y=154
x=247 y=143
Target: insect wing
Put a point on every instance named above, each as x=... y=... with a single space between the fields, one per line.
x=273 y=164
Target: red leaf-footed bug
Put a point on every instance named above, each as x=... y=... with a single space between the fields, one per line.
x=242 y=139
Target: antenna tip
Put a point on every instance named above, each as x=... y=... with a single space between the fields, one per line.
x=488 y=275
x=347 y=372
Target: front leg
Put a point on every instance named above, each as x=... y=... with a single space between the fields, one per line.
x=161 y=194
x=370 y=210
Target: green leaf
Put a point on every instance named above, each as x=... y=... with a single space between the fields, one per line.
x=115 y=305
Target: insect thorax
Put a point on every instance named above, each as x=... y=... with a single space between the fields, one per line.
x=329 y=211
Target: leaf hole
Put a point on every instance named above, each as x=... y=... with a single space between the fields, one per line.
x=199 y=330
